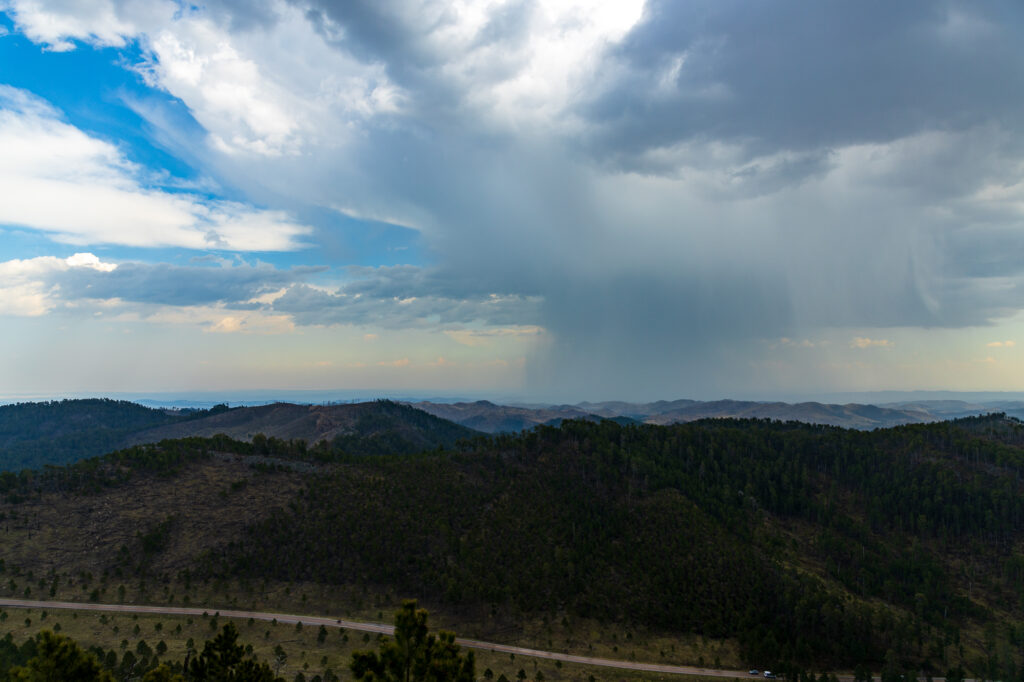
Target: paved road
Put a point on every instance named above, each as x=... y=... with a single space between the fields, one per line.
x=373 y=627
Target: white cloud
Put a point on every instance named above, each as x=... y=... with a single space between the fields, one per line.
x=269 y=297
x=98 y=22
x=210 y=299
x=24 y=287
x=546 y=72
x=24 y=300
x=88 y=260
x=786 y=342
x=225 y=91
x=82 y=190
x=865 y=342
x=483 y=337
x=218 y=320
x=1001 y=344
x=254 y=92
x=27 y=289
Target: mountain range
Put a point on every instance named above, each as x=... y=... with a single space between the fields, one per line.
x=489 y=417
x=58 y=432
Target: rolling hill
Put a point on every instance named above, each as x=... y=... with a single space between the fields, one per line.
x=806 y=545
x=59 y=432
x=491 y=418
x=376 y=427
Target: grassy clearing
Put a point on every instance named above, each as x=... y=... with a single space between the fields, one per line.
x=306 y=652
x=564 y=634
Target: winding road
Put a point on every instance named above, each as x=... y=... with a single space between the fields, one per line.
x=372 y=627
x=389 y=630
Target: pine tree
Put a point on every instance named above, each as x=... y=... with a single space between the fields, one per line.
x=414 y=655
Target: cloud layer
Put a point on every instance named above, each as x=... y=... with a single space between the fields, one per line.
x=393 y=298
x=662 y=187
x=56 y=178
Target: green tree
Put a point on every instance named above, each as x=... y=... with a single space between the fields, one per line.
x=280 y=657
x=60 y=659
x=223 y=660
x=414 y=655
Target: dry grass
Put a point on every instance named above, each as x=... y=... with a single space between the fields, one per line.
x=122 y=632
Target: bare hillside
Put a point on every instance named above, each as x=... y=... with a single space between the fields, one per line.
x=314 y=423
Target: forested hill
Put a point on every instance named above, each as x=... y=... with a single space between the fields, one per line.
x=62 y=431
x=59 y=432
x=491 y=418
x=375 y=427
x=805 y=544
x=787 y=536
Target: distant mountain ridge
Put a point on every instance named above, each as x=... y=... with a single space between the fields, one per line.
x=489 y=417
x=363 y=427
x=58 y=432
x=33 y=435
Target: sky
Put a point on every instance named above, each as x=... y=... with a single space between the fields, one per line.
x=558 y=200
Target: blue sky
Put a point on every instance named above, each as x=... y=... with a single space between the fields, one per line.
x=548 y=199
x=94 y=87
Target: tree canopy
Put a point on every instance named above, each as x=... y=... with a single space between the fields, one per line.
x=59 y=659
x=414 y=655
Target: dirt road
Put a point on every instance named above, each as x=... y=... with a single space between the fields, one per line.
x=388 y=630
x=372 y=627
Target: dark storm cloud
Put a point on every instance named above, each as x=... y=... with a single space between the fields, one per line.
x=241 y=15
x=382 y=33
x=405 y=281
x=986 y=253
x=656 y=332
x=730 y=172
x=166 y=284
x=388 y=32
x=791 y=75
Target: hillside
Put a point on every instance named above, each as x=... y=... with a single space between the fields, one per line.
x=803 y=544
x=33 y=435
x=377 y=427
x=57 y=432
x=488 y=417
x=491 y=418
x=847 y=416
